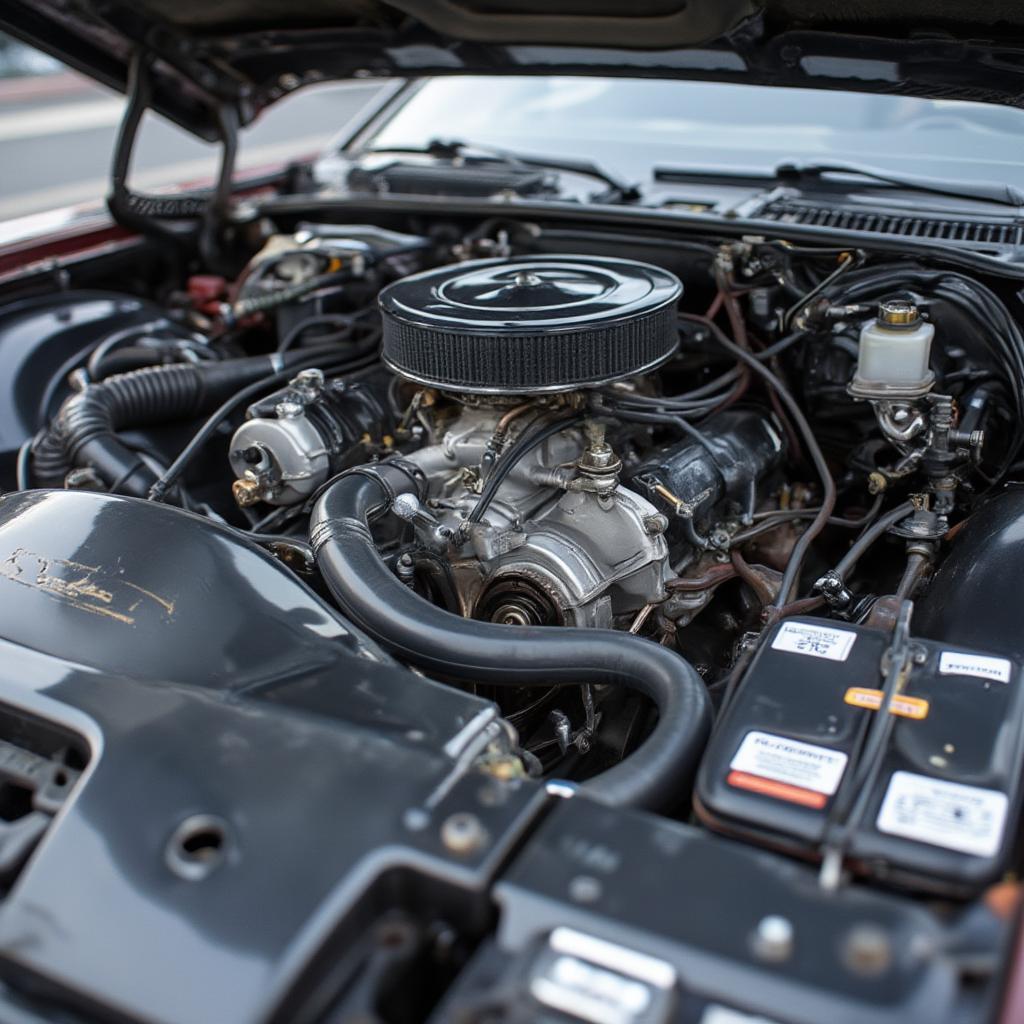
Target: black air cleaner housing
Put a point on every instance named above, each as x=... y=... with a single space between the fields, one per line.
x=530 y=324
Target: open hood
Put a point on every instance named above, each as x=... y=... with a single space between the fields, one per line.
x=245 y=54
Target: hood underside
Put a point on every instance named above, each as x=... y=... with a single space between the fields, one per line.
x=246 y=54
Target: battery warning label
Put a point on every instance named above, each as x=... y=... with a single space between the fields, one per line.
x=814 y=640
x=954 y=663
x=786 y=769
x=902 y=705
x=948 y=814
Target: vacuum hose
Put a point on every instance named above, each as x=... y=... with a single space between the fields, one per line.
x=656 y=776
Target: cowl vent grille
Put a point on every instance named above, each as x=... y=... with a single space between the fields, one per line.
x=986 y=235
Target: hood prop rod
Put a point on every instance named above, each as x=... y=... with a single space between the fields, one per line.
x=201 y=214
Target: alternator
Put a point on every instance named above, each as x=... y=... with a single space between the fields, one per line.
x=293 y=440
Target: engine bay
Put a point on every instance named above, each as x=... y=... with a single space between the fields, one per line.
x=693 y=560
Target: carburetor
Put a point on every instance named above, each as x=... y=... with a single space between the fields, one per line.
x=565 y=544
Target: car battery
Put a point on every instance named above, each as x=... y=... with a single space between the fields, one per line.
x=785 y=761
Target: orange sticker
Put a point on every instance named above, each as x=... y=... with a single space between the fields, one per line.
x=778 y=790
x=905 y=707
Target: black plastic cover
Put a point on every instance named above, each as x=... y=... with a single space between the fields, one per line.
x=942 y=814
x=217 y=697
x=530 y=324
x=680 y=911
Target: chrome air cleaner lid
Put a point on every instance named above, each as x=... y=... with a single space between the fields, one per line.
x=530 y=324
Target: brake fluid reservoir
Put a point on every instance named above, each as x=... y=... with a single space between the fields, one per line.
x=894 y=352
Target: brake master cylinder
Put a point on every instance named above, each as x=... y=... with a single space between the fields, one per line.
x=893 y=354
x=894 y=376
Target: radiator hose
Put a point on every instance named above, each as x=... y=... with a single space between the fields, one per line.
x=84 y=431
x=658 y=775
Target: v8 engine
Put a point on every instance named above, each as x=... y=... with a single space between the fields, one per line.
x=530 y=515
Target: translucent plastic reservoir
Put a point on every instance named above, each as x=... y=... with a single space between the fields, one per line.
x=893 y=358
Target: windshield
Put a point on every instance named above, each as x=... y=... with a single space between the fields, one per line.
x=630 y=126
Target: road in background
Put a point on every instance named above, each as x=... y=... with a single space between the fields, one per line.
x=57 y=137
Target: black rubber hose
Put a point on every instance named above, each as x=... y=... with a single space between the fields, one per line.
x=869 y=536
x=658 y=775
x=124 y=360
x=84 y=431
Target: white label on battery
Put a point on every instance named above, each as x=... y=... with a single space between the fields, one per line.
x=790 y=761
x=953 y=663
x=962 y=818
x=817 y=641
x=715 y=1014
x=589 y=993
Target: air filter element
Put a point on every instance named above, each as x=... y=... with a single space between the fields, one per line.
x=530 y=324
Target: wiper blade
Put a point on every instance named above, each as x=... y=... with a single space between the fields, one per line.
x=808 y=175
x=988 y=191
x=452 y=149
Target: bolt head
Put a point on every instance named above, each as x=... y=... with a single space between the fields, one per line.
x=463 y=834
x=525 y=279
x=655 y=524
x=288 y=410
x=773 y=939
x=867 y=950
x=719 y=538
x=406 y=506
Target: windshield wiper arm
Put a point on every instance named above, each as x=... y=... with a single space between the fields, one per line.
x=801 y=175
x=451 y=149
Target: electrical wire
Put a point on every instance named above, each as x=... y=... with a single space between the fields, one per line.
x=524 y=444
x=701 y=400
x=346 y=321
x=767 y=521
x=851 y=260
x=642 y=416
x=791 y=575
